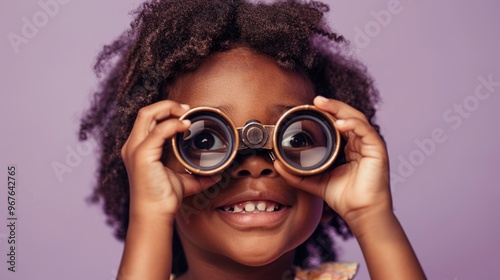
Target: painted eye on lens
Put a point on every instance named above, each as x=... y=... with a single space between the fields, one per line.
x=298 y=140
x=207 y=141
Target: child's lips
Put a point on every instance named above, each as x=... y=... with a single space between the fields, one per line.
x=253 y=197
x=245 y=221
x=256 y=209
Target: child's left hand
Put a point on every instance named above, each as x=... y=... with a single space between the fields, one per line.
x=360 y=186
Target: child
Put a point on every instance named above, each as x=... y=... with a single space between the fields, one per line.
x=252 y=62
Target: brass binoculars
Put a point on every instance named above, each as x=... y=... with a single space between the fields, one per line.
x=304 y=140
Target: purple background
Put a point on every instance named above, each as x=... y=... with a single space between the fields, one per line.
x=426 y=62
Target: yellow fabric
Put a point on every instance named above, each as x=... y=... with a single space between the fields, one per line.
x=328 y=271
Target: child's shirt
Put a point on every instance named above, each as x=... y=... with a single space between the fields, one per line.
x=326 y=271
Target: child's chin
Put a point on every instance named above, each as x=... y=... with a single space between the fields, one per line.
x=256 y=261
x=255 y=257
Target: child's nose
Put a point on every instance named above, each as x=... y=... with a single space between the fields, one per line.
x=253 y=164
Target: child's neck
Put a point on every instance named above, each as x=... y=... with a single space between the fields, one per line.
x=213 y=269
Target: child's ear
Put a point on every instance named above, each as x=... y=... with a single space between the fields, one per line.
x=328 y=213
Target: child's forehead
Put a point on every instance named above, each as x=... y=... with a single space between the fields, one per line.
x=237 y=59
x=240 y=73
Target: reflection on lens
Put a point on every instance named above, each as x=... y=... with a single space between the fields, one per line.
x=306 y=140
x=208 y=143
x=204 y=135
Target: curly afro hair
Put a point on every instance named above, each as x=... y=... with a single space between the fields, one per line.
x=168 y=38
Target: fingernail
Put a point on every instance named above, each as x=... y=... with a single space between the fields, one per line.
x=185 y=106
x=339 y=122
x=321 y=98
x=186 y=122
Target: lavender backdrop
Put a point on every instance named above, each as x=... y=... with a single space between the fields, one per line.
x=435 y=63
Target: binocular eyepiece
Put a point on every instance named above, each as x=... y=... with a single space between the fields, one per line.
x=304 y=140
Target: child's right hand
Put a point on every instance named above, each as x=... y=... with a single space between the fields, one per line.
x=154 y=188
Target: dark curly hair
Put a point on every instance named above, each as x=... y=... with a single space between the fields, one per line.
x=172 y=37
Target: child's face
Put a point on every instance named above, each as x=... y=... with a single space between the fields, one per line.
x=246 y=86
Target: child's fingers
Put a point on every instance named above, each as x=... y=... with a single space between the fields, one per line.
x=161 y=110
x=148 y=117
x=151 y=147
x=362 y=137
x=338 y=109
x=359 y=128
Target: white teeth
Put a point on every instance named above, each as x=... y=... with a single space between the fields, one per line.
x=253 y=207
x=238 y=209
x=249 y=207
x=261 y=206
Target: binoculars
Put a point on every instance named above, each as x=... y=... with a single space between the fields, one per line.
x=304 y=140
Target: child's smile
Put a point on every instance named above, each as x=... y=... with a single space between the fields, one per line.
x=255 y=218
x=253 y=207
x=257 y=206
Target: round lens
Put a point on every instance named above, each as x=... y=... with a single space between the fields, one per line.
x=306 y=141
x=208 y=144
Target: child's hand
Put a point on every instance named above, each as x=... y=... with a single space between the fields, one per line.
x=361 y=185
x=359 y=192
x=154 y=188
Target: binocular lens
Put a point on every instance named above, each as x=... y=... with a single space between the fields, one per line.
x=306 y=140
x=208 y=143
